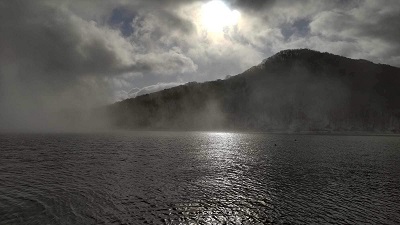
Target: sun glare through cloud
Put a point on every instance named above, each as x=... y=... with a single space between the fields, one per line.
x=216 y=15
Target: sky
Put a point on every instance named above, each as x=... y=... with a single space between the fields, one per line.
x=57 y=55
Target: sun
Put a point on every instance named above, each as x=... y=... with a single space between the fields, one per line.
x=216 y=16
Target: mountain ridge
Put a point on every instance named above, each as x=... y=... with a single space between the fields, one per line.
x=293 y=90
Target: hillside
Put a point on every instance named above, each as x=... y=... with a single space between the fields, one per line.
x=292 y=91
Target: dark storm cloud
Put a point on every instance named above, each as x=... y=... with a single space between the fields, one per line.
x=53 y=43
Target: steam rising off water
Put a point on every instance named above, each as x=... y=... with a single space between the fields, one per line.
x=205 y=178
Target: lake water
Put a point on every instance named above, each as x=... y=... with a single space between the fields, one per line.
x=198 y=178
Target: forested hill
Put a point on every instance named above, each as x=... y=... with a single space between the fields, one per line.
x=292 y=91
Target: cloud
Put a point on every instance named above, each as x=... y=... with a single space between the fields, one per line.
x=371 y=28
x=55 y=42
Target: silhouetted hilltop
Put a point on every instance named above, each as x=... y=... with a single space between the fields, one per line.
x=294 y=90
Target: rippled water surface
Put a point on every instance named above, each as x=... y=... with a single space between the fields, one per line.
x=198 y=178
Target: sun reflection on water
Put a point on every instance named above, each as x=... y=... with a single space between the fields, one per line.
x=225 y=156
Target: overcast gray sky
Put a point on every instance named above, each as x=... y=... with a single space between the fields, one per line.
x=84 y=52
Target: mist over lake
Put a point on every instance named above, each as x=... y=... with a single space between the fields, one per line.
x=198 y=177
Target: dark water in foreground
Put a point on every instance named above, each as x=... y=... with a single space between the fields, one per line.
x=199 y=178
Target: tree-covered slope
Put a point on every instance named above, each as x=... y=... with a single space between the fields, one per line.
x=294 y=90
